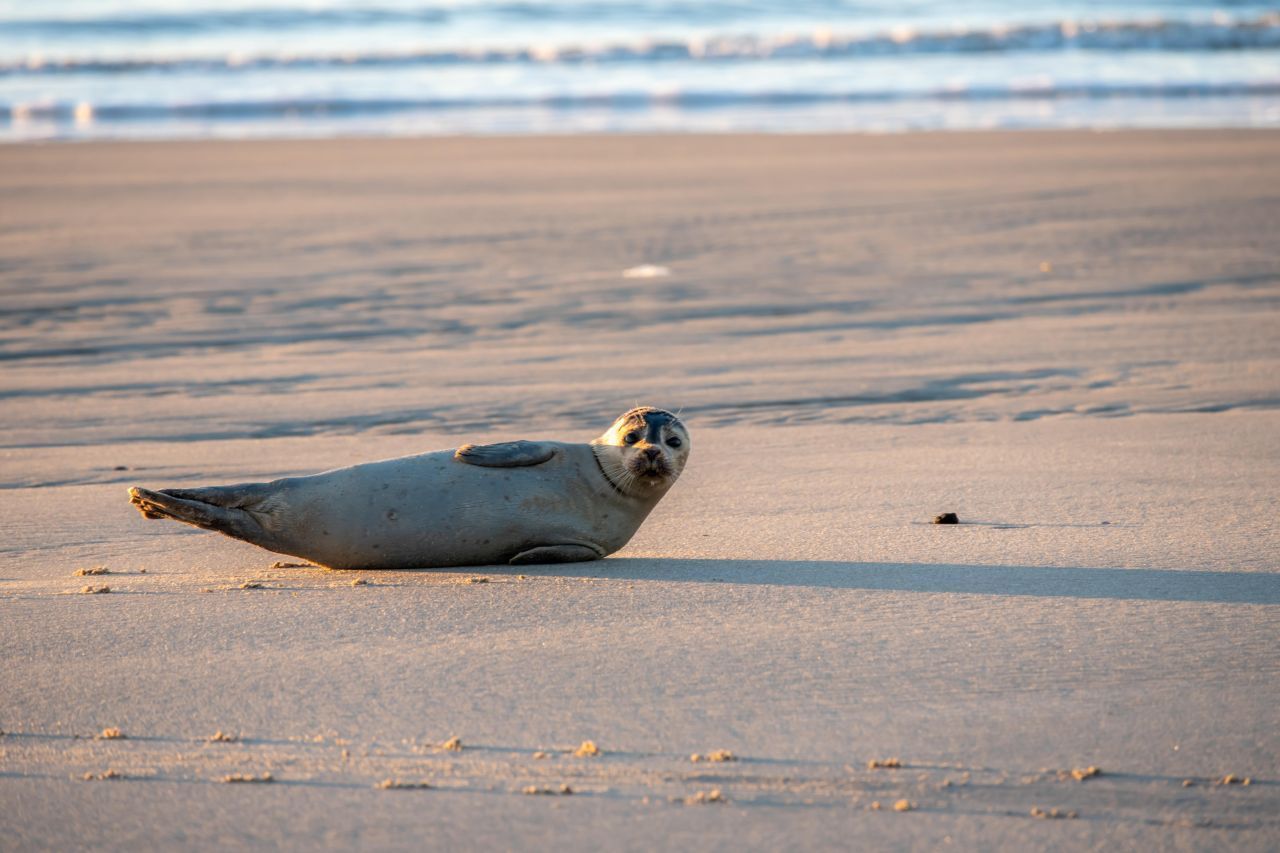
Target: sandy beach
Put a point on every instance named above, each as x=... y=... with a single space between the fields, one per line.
x=1070 y=339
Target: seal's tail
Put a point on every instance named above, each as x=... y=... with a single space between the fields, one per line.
x=183 y=505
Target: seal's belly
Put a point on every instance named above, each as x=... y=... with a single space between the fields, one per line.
x=431 y=511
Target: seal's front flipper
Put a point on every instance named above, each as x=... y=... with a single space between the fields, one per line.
x=557 y=554
x=235 y=523
x=510 y=454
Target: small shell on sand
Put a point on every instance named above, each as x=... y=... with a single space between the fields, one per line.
x=903 y=806
x=360 y=582
x=588 y=749
x=110 y=734
x=704 y=797
x=235 y=778
x=540 y=754
x=103 y=776
x=1233 y=779
x=534 y=790
x=878 y=763
x=1082 y=773
x=95 y=590
x=718 y=755
x=397 y=785
x=1052 y=814
x=95 y=570
x=221 y=737
x=453 y=744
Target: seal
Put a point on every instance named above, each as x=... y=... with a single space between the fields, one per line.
x=520 y=502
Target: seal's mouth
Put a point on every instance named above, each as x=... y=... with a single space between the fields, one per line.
x=651 y=469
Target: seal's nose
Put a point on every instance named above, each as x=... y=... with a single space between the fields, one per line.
x=652 y=452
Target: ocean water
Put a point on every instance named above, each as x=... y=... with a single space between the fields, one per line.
x=78 y=69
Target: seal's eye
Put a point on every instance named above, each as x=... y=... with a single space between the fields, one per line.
x=631 y=437
x=674 y=441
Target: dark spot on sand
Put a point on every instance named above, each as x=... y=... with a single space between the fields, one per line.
x=946 y=518
x=391 y=515
x=121 y=468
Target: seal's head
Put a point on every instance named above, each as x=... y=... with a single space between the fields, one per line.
x=644 y=451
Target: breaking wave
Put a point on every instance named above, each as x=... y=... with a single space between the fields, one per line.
x=1259 y=33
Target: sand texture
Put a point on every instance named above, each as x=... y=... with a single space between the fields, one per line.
x=1071 y=340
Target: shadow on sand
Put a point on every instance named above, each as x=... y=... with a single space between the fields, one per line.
x=1098 y=583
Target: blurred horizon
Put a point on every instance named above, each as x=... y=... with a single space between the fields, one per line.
x=84 y=69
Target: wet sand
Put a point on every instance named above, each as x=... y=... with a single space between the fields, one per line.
x=1069 y=339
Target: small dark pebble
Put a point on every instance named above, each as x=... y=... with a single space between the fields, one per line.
x=121 y=468
x=946 y=518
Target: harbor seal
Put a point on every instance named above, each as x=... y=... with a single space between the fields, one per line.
x=519 y=502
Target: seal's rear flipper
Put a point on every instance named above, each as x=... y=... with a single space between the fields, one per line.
x=235 y=523
x=242 y=496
